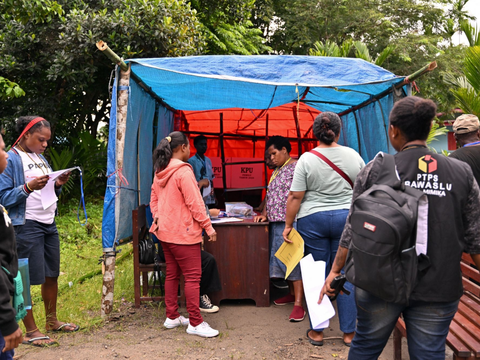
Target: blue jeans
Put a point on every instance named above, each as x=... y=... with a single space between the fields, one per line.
x=321 y=232
x=427 y=327
x=7 y=355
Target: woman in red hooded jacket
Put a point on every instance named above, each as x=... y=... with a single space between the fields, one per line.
x=179 y=215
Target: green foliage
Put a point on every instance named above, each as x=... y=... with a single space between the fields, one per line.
x=80 y=249
x=91 y=155
x=49 y=48
x=329 y=48
x=228 y=28
x=472 y=33
x=9 y=89
x=466 y=88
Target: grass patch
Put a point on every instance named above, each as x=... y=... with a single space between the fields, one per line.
x=80 y=250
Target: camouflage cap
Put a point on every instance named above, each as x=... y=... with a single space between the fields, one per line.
x=466 y=123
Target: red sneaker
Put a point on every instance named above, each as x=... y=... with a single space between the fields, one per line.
x=298 y=314
x=287 y=299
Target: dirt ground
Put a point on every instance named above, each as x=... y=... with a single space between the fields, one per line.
x=246 y=332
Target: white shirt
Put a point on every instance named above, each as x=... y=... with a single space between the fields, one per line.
x=32 y=167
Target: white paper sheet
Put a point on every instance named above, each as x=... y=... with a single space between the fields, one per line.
x=313 y=276
x=207 y=191
x=225 y=220
x=48 y=195
x=48 y=192
x=54 y=175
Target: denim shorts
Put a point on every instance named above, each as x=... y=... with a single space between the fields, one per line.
x=40 y=244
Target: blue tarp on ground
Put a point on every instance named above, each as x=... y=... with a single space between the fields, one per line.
x=200 y=83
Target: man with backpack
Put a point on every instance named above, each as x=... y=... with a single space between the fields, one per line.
x=431 y=299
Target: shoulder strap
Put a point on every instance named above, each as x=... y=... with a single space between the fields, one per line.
x=387 y=171
x=333 y=166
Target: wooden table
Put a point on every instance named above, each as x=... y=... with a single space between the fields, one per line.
x=241 y=251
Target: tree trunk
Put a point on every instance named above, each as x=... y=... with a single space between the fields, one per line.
x=108 y=283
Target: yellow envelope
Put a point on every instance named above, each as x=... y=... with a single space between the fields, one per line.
x=291 y=253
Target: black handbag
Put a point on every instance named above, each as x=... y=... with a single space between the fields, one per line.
x=148 y=254
x=146 y=250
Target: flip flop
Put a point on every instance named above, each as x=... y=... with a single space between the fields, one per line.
x=32 y=340
x=314 y=342
x=61 y=328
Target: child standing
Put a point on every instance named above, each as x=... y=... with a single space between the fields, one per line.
x=178 y=218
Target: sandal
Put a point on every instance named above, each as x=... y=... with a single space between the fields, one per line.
x=62 y=328
x=32 y=341
x=314 y=342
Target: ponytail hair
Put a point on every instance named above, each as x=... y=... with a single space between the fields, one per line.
x=163 y=152
x=413 y=116
x=326 y=127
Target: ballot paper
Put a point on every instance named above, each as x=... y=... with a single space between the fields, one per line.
x=291 y=253
x=207 y=191
x=224 y=220
x=48 y=192
x=313 y=276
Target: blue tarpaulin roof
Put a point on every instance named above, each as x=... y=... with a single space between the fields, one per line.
x=261 y=82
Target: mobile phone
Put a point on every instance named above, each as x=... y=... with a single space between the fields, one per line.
x=337 y=285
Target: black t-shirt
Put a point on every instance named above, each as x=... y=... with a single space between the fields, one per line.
x=470 y=155
x=9 y=260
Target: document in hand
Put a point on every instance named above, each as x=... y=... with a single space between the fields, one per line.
x=291 y=253
x=313 y=276
x=48 y=192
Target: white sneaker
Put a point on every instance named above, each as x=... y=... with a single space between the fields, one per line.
x=180 y=321
x=203 y=330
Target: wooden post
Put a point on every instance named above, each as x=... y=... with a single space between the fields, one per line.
x=222 y=154
x=122 y=104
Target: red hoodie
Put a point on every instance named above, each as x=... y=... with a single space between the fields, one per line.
x=176 y=202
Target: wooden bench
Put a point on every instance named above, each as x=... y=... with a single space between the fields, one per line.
x=464 y=335
x=141 y=287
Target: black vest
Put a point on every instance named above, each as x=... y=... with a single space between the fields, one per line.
x=447 y=182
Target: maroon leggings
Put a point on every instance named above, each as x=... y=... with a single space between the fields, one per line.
x=184 y=259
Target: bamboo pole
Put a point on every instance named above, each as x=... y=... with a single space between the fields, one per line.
x=109 y=257
x=102 y=46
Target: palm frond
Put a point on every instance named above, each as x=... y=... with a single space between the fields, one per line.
x=361 y=51
x=472 y=67
x=384 y=55
x=472 y=33
x=457 y=82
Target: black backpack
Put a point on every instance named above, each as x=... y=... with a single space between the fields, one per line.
x=382 y=258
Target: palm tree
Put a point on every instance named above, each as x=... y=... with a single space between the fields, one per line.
x=466 y=89
x=330 y=48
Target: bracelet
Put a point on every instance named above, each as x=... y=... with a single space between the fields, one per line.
x=27 y=189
